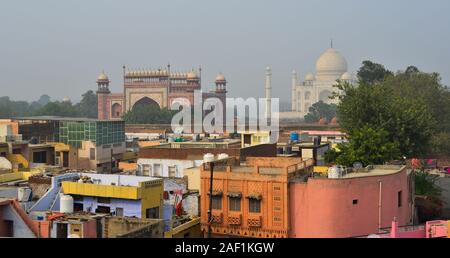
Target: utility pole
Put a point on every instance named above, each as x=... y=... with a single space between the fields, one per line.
x=111 y=170
x=211 y=170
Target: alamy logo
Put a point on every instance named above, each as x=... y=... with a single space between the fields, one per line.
x=213 y=116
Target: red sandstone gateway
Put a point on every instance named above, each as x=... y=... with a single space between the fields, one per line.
x=158 y=88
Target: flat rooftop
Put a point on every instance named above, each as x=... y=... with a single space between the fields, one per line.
x=117 y=179
x=64 y=119
x=380 y=170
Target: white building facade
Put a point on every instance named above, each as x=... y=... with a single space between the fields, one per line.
x=330 y=67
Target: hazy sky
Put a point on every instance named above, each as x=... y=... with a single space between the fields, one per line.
x=59 y=47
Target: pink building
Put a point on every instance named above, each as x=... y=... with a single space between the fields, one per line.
x=355 y=204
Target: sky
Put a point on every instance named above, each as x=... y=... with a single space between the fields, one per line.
x=59 y=47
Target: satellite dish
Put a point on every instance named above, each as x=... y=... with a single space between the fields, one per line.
x=358 y=165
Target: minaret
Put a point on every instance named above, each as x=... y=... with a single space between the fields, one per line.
x=268 y=93
x=294 y=95
x=102 y=96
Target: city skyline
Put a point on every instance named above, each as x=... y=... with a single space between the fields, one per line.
x=60 y=48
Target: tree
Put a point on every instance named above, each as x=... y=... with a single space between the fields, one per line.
x=44 y=100
x=369 y=146
x=149 y=115
x=425 y=87
x=321 y=110
x=88 y=106
x=371 y=73
x=64 y=109
x=408 y=121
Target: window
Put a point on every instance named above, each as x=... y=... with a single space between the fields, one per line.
x=119 y=212
x=152 y=213
x=235 y=204
x=92 y=154
x=172 y=171
x=217 y=202
x=399 y=199
x=157 y=170
x=254 y=205
x=103 y=200
x=307 y=95
x=40 y=157
x=146 y=170
x=355 y=202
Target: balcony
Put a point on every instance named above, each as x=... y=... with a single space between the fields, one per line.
x=254 y=221
x=217 y=217
x=234 y=219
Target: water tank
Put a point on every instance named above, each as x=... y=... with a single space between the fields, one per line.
x=334 y=172
x=223 y=156
x=66 y=204
x=23 y=194
x=208 y=157
x=294 y=136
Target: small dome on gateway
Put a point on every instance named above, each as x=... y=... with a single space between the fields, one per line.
x=220 y=77
x=192 y=75
x=102 y=77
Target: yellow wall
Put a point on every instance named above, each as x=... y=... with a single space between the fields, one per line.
x=259 y=137
x=192 y=228
x=149 y=192
x=151 y=196
x=111 y=191
x=193 y=175
x=16 y=176
x=18 y=159
x=320 y=169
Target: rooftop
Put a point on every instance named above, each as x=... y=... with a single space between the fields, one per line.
x=117 y=179
x=59 y=118
x=379 y=170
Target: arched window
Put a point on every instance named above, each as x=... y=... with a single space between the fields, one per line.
x=146 y=102
x=325 y=96
x=307 y=95
x=116 y=110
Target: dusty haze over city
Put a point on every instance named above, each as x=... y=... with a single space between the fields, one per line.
x=59 y=47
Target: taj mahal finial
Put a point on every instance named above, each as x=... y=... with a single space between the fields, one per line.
x=331 y=43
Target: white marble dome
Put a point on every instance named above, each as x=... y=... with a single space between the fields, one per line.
x=309 y=77
x=331 y=65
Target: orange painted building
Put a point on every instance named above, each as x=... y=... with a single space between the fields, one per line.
x=251 y=199
x=356 y=204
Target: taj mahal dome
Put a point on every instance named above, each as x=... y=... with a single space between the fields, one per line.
x=330 y=67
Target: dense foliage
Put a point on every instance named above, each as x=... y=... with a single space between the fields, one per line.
x=388 y=116
x=149 y=115
x=87 y=107
x=321 y=110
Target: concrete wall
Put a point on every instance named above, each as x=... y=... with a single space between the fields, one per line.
x=444 y=183
x=325 y=208
x=102 y=155
x=50 y=200
x=164 y=165
x=21 y=229
x=131 y=208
